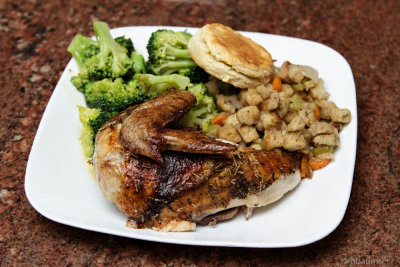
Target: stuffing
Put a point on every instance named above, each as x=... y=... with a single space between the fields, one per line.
x=321 y=127
x=273 y=138
x=307 y=135
x=212 y=87
x=283 y=125
x=248 y=133
x=296 y=117
x=290 y=116
x=252 y=97
x=287 y=90
x=257 y=144
x=326 y=139
x=259 y=126
x=235 y=101
x=307 y=113
x=265 y=90
x=325 y=108
x=294 y=141
x=224 y=104
x=295 y=74
x=232 y=119
x=284 y=71
x=340 y=115
x=269 y=119
x=228 y=132
x=318 y=92
x=248 y=115
x=296 y=124
x=284 y=106
x=273 y=101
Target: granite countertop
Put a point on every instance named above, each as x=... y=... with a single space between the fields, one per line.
x=33 y=39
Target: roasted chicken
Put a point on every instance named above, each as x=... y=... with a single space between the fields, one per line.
x=168 y=178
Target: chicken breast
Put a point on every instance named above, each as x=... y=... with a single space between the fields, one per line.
x=172 y=190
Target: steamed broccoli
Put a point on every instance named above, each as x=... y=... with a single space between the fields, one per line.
x=104 y=58
x=168 y=53
x=106 y=98
x=155 y=85
x=115 y=96
x=126 y=44
x=112 y=60
x=202 y=113
x=92 y=119
x=82 y=48
x=87 y=135
x=109 y=95
x=139 y=65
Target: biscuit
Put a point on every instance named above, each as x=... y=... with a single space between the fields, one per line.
x=230 y=56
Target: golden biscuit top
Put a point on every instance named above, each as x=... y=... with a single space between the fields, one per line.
x=234 y=49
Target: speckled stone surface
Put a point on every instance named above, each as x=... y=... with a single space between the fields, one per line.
x=34 y=36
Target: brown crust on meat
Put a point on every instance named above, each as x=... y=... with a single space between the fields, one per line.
x=188 y=185
x=142 y=131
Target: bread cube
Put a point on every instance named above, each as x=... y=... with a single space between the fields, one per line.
x=248 y=133
x=326 y=139
x=340 y=115
x=248 y=115
x=253 y=97
x=293 y=141
x=273 y=101
x=228 y=132
x=296 y=124
x=265 y=90
x=321 y=127
x=273 y=138
x=269 y=119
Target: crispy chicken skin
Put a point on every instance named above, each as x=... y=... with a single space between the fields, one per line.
x=174 y=190
x=143 y=132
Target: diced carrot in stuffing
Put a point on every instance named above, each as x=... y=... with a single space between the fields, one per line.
x=219 y=119
x=277 y=83
x=304 y=165
x=316 y=164
x=317 y=112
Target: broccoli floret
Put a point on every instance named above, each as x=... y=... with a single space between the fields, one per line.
x=168 y=53
x=104 y=58
x=86 y=115
x=115 y=96
x=155 y=85
x=92 y=119
x=81 y=80
x=202 y=113
x=82 y=48
x=125 y=43
x=111 y=61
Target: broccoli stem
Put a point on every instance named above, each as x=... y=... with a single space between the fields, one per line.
x=78 y=46
x=177 y=52
x=174 y=66
x=155 y=85
x=138 y=62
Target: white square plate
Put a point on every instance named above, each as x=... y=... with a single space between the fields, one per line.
x=60 y=185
